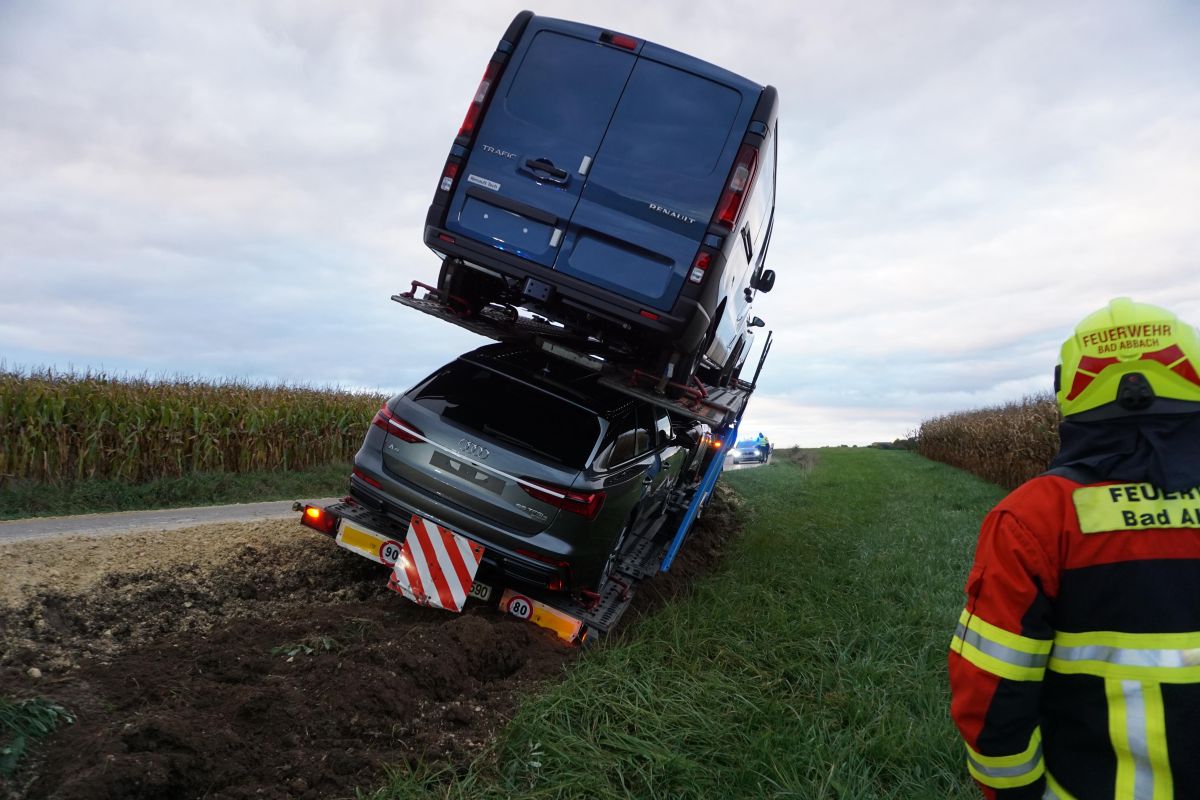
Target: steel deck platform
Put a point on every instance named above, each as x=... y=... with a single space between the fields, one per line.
x=717 y=406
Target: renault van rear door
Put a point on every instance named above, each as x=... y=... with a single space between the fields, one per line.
x=539 y=137
x=657 y=176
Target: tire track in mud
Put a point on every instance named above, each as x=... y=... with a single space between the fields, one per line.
x=262 y=661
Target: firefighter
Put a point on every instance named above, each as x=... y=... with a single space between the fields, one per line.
x=1075 y=668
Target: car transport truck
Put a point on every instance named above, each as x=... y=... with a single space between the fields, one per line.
x=604 y=215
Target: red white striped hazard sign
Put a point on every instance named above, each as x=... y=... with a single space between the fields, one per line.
x=436 y=566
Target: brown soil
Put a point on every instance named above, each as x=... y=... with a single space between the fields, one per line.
x=260 y=661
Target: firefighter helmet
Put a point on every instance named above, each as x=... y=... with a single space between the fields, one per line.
x=1129 y=358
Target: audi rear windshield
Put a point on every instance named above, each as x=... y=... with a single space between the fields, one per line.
x=509 y=411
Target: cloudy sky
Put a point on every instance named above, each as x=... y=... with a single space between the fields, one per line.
x=237 y=188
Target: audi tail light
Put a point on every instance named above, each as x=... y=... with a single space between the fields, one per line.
x=556 y=584
x=400 y=428
x=585 y=504
x=475 y=110
x=362 y=476
x=729 y=208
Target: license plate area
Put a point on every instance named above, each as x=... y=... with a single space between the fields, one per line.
x=368 y=543
x=480 y=591
x=473 y=476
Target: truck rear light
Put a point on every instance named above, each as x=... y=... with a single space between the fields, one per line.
x=699 y=266
x=401 y=429
x=730 y=206
x=319 y=520
x=650 y=315
x=481 y=96
x=447 y=238
x=585 y=504
x=448 y=176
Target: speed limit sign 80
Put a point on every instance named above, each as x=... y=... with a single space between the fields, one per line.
x=520 y=606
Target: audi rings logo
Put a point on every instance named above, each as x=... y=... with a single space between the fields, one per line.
x=469 y=448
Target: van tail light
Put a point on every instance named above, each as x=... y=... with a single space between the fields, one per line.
x=481 y=96
x=585 y=504
x=700 y=266
x=402 y=429
x=730 y=206
x=319 y=520
x=448 y=175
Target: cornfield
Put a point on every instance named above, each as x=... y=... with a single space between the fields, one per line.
x=1007 y=445
x=62 y=427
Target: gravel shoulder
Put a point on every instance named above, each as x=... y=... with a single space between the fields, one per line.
x=138 y=521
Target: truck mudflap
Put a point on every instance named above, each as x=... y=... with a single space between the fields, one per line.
x=717 y=406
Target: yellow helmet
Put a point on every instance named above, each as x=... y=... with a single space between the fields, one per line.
x=1129 y=358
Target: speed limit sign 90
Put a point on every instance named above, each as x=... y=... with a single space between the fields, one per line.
x=520 y=606
x=389 y=552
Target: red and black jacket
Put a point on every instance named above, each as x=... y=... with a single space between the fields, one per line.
x=1075 y=668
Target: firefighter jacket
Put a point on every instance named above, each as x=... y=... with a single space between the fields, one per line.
x=1075 y=667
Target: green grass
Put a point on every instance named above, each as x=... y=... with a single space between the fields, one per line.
x=22 y=721
x=27 y=499
x=812 y=667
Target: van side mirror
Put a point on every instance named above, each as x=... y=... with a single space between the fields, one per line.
x=756 y=322
x=766 y=281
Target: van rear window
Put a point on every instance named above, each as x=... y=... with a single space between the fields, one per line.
x=509 y=411
x=568 y=87
x=671 y=120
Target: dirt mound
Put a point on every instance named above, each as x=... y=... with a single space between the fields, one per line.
x=260 y=661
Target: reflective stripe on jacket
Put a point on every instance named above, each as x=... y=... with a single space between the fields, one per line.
x=1075 y=666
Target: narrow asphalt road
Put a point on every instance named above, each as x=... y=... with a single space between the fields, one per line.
x=130 y=521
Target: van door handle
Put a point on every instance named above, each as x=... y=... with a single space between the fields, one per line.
x=544 y=165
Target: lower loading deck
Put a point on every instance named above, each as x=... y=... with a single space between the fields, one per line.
x=379 y=537
x=717 y=406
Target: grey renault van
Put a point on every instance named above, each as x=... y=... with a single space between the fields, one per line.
x=615 y=186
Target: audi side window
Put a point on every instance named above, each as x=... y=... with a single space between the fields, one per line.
x=644 y=435
x=664 y=429
x=620 y=445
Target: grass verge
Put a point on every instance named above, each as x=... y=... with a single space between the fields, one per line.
x=26 y=499
x=812 y=667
